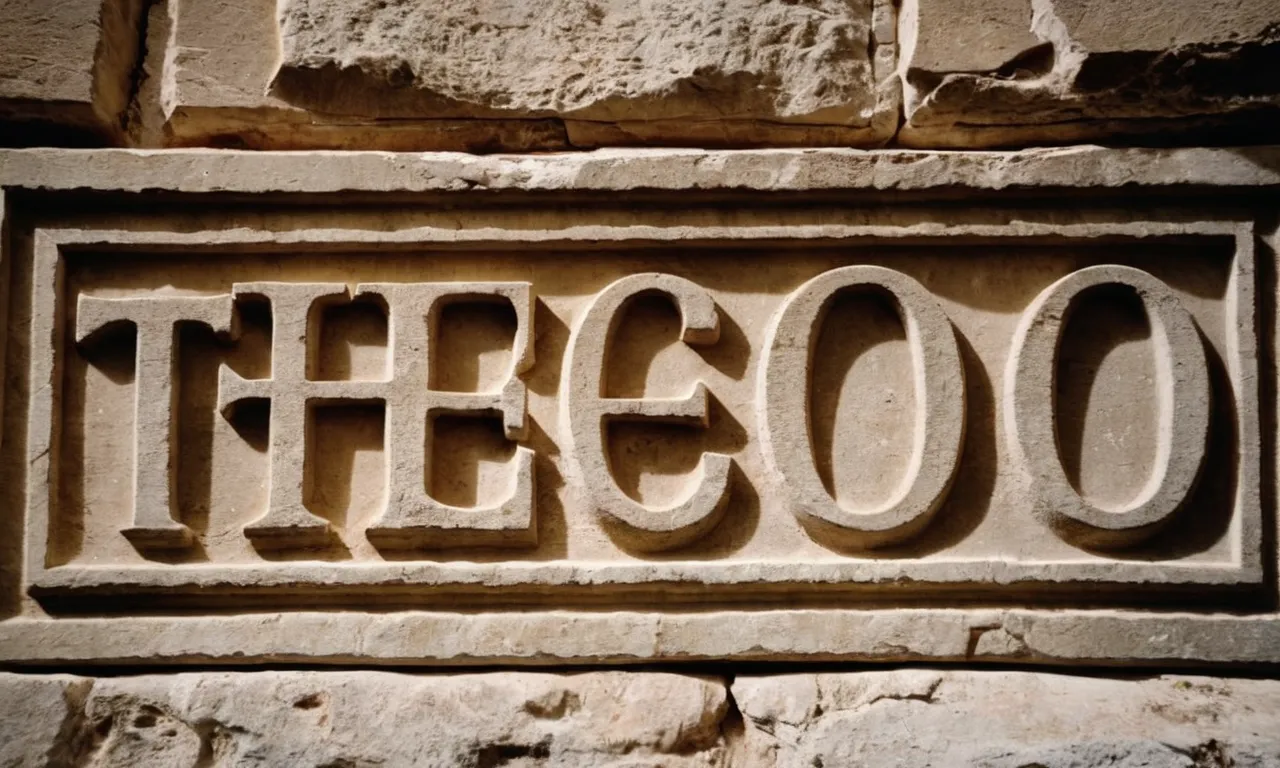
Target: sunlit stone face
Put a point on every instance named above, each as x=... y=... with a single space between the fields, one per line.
x=669 y=409
x=807 y=413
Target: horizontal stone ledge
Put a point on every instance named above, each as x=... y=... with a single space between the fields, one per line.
x=821 y=170
x=918 y=717
x=1104 y=637
x=674 y=583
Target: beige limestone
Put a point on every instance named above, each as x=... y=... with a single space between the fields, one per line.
x=922 y=174
x=937 y=431
x=607 y=61
x=364 y=718
x=556 y=75
x=586 y=413
x=1018 y=72
x=986 y=521
x=1184 y=408
x=591 y=637
x=915 y=717
x=67 y=68
x=157 y=377
x=412 y=517
x=1006 y=719
x=466 y=401
x=518 y=76
x=39 y=718
x=208 y=68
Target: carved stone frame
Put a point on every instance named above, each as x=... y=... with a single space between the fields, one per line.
x=572 y=632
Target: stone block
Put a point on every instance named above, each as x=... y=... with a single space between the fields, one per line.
x=519 y=76
x=42 y=719
x=630 y=407
x=940 y=718
x=66 y=69
x=1019 y=72
x=363 y=718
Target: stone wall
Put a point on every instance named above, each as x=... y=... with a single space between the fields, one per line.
x=700 y=383
x=554 y=75
x=905 y=717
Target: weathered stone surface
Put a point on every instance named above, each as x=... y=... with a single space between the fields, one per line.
x=66 y=69
x=1024 y=71
x=406 y=407
x=556 y=75
x=363 y=718
x=1006 y=719
x=518 y=76
x=610 y=61
x=42 y=719
x=208 y=67
x=912 y=718
x=922 y=174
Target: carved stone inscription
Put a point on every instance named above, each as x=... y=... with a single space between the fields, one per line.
x=412 y=516
x=1021 y=414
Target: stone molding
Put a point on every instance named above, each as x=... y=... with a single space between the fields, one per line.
x=925 y=174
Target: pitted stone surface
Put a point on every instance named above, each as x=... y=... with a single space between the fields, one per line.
x=209 y=65
x=363 y=718
x=612 y=61
x=1025 y=71
x=517 y=76
x=921 y=718
x=1007 y=719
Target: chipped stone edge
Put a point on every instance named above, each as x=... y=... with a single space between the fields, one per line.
x=621 y=170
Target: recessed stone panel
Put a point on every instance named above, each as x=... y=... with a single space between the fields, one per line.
x=637 y=409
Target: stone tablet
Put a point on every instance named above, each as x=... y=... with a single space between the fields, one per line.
x=638 y=406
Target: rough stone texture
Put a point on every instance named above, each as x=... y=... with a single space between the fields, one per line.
x=41 y=719
x=1025 y=71
x=517 y=76
x=1007 y=719
x=66 y=69
x=556 y=75
x=915 y=718
x=806 y=62
x=363 y=719
x=208 y=67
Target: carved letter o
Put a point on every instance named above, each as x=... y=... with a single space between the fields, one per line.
x=940 y=415
x=1183 y=390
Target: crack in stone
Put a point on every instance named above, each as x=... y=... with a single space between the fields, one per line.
x=928 y=697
